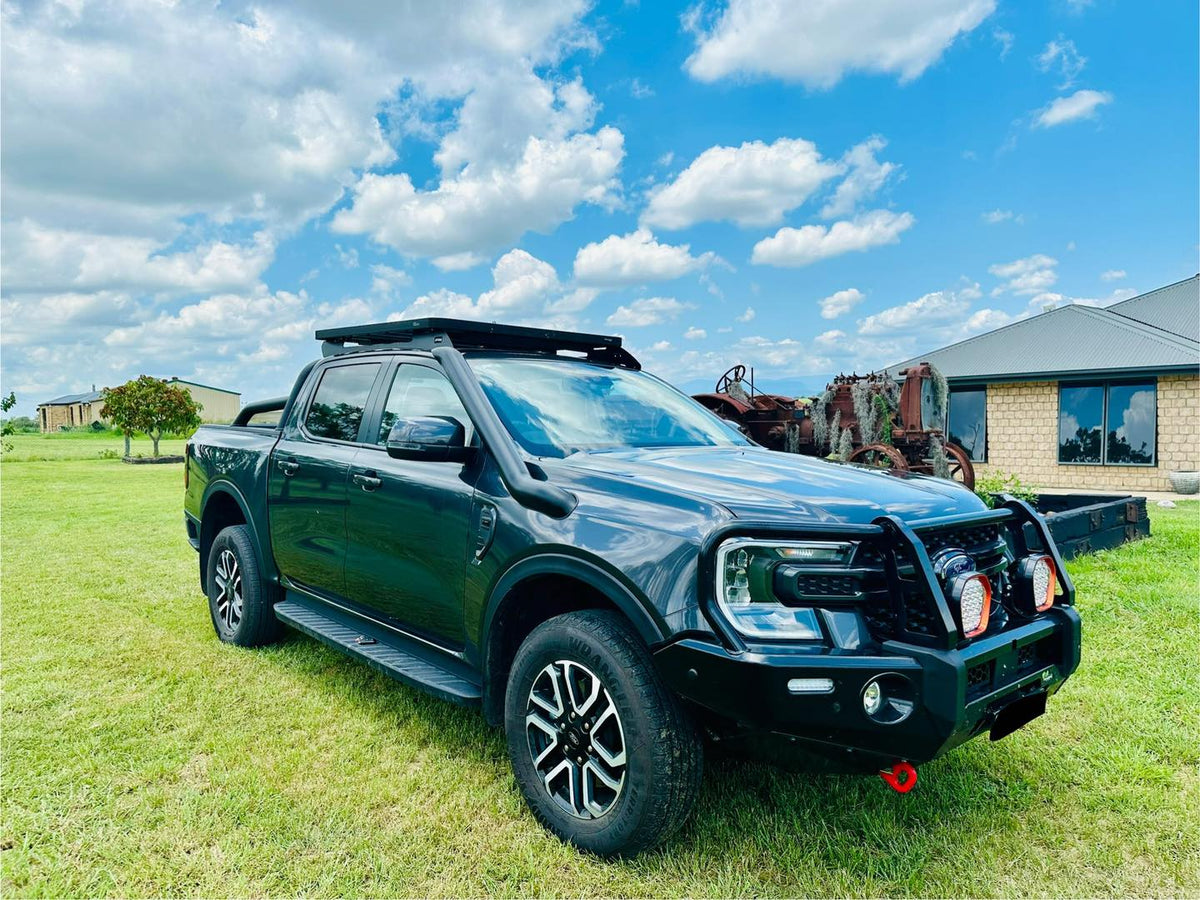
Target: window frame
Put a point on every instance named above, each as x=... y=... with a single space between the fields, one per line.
x=384 y=388
x=1105 y=385
x=368 y=404
x=963 y=389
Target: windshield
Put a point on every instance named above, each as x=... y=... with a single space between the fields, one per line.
x=559 y=407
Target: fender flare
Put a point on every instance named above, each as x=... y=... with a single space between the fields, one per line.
x=223 y=486
x=591 y=573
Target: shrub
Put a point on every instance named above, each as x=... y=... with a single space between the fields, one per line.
x=109 y=453
x=987 y=486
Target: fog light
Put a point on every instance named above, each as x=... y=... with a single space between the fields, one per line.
x=889 y=698
x=811 y=685
x=872 y=698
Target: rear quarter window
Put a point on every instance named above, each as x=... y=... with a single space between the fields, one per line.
x=336 y=411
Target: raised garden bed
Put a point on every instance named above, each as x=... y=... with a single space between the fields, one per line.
x=150 y=460
x=1082 y=523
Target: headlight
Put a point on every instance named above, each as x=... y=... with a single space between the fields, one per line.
x=744 y=592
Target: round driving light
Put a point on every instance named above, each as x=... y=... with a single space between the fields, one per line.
x=872 y=698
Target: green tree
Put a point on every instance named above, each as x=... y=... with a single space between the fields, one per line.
x=7 y=426
x=121 y=408
x=152 y=406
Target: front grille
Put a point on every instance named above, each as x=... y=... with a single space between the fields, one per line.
x=916 y=612
x=827 y=585
x=973 y=539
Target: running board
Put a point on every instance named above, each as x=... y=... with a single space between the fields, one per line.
x=395 y=655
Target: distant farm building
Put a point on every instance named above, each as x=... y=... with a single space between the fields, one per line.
x=70 y=411
x=81 y=410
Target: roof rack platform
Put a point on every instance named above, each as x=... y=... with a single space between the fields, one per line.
x=464 y=334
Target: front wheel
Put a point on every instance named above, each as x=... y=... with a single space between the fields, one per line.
x=605 y=755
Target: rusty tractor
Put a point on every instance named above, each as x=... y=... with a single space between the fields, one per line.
x=865 y=419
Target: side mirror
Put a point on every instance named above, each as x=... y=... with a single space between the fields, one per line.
x=435 y=438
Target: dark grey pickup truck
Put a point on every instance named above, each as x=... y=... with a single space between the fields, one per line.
x=523 y=520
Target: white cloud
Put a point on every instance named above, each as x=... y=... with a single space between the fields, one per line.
x=45 y=259
x=1027 y=276
x=805 y=245
x=386 y=280
x=474 y=212
x=639 y=90
x=286 y=115
x=841 y=302
x=748 y=315
x=754 y=184
x=458 y=262
x=817 y=44
x=647 y=311
x=938 y=306
x=1047 y=300
x=1061 y=54
x=830 y=338
x=525 y=290
x=635 y=258
x=996 y=216
x=865 y=176
x=1112 y=275
x=1079 y=105
x=1004 y=39
x=695 y=334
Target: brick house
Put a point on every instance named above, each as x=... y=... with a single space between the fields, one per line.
x=70 y=410
x=1080 y=396
x=75 y=410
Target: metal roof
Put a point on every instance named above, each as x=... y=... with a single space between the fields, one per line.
x=68 y=399
x=206 y=386
x=1078 y=341
x=1174 y=308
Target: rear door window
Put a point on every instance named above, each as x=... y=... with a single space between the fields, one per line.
x=336 y=411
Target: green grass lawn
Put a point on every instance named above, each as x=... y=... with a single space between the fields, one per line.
x=141 y=756
x=84 y=445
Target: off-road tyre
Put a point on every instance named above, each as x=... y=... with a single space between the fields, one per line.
x=242 y=614
x=663 y=749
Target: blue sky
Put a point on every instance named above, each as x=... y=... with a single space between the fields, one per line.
x=190 y=190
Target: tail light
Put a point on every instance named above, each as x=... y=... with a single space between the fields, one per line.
x=972 y=596
x=1035 y=584
x=187 y=464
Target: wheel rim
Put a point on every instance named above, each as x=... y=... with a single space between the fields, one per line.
x=229 y=587
x=576 y=739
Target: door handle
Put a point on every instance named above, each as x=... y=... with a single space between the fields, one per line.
x=368 y=480
x=287 y=466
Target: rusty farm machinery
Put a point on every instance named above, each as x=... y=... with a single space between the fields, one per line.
x=866 y=419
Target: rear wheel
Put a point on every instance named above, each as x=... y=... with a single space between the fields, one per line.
x=605 y=755
x=239 y=600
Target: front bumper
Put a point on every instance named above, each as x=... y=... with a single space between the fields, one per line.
x=956 y=694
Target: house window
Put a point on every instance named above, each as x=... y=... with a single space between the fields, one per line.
x=1107 y=424
x=966 y=421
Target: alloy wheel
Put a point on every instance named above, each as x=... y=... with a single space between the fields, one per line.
x=576 y=739
x=229 y=583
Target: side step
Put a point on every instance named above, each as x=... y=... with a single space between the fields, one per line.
x=402 y=658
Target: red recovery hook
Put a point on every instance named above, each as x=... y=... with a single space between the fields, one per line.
x=901 y=777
